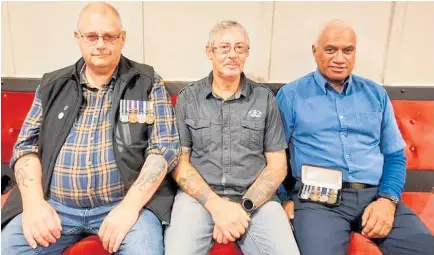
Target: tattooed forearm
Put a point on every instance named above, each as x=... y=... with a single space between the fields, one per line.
x=151 y=171
x=190 y=181
x=264 y=187
x=21 y=174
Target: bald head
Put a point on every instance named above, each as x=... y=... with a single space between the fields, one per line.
x=101 y=8
x=335 y=51
x=336 y=27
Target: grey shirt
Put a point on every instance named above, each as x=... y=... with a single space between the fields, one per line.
x=228 y=138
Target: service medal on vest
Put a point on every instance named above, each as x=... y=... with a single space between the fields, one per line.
x=123 y=113
x=142 y=112
x=150 y=113
x=132 y=117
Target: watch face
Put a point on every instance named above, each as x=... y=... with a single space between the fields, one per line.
x=248 y=205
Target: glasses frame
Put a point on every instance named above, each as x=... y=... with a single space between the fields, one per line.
x=229 y=50
x=101 y=36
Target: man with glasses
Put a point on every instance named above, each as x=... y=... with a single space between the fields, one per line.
x=233 y=158
x=93 y=153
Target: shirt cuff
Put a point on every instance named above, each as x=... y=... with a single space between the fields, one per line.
x=170 y=155
x=21 y=153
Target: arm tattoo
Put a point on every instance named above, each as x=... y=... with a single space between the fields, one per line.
x=21 y=174
x=192 y=185
x=264 y=187
x=153 y=168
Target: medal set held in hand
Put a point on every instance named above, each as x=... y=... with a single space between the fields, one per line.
x=134 y=111
x=320 y=185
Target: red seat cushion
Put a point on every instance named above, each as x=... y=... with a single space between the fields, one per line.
x=90 y=245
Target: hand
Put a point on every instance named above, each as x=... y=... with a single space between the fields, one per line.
x=41 y=223
x=288 y=206
x=230 y=219
x=116 y=226
x=378 y=217
x=218 y=235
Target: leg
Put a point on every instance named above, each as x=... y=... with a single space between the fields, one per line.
x=13 y=241
x=269 y=232
x=145 y=237
x=190 y=229
x=320 y=229
x=408 y=236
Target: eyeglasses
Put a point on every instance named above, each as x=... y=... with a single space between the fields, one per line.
x=225 y=49
x=93 y=38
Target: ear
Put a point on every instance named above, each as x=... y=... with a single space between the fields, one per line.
x=209 y=51
x=313 y=49
x=123 y=38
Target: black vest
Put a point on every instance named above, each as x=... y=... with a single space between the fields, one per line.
x=62 y=87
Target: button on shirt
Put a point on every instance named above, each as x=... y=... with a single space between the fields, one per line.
x=351 y=130
x=228 y=138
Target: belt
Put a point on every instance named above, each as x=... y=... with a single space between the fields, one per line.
x=356 y=185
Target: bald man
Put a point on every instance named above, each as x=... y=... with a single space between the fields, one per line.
x=346 y=154
x=94 y=152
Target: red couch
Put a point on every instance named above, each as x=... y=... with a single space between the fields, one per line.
x=414 y=114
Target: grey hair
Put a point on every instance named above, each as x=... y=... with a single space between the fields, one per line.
x=224 y=25
x=330 y=23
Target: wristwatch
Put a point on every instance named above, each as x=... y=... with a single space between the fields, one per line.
x=394 y=200
x=248 y=205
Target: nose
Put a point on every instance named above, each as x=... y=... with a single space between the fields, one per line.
x=100 y=44
x=339 y=57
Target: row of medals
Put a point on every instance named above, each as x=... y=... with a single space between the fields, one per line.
x=315 y=193
x=130 y=112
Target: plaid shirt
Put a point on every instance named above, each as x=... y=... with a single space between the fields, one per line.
x=86 y=174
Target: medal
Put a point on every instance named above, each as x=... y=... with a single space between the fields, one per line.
x=132 y=117
x=123 y=115
x=150 y=114
x=324 y=196
x=306 y=191
x=332 y=198
x=315 y=195
x=142 y=114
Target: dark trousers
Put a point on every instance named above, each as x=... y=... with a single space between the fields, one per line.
x=322 y=230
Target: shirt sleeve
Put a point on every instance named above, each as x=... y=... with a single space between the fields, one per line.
x=390 y=139
x=163 y=135
x=285 y=104
x=28 y=139
x=274 y=139
x=184 y=132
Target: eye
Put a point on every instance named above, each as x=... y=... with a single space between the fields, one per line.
x=92 y=37
x=110 y=38
x=348 y=50
x=224 y=47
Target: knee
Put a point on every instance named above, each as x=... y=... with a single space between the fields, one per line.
x=142 y=242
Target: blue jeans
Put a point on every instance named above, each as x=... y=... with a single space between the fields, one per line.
x=145 y=237
x=191 y=227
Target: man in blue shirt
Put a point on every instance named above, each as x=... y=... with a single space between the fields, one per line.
x=335 y=119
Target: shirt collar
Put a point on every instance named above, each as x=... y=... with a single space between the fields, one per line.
x=244 y=91
x=322 y=82
x=84 y=81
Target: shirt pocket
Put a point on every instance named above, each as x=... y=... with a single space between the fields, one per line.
x=369 y=127
x=200 y=132
x=252 y=134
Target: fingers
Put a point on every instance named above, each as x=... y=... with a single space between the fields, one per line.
x=38 y=237
x=53 y=228
x=44 y=232
x=289 y=209
x=29 y=238
x=105 y=237
x=366 y=215
x=219 y=237
x=57 y=221
x=112 y=238
x=374 y=233
x=387 y=227
x=228 y=235
x=369 y=225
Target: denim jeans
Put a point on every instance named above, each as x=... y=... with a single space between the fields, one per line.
x=145 y=237
x=191 y=227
